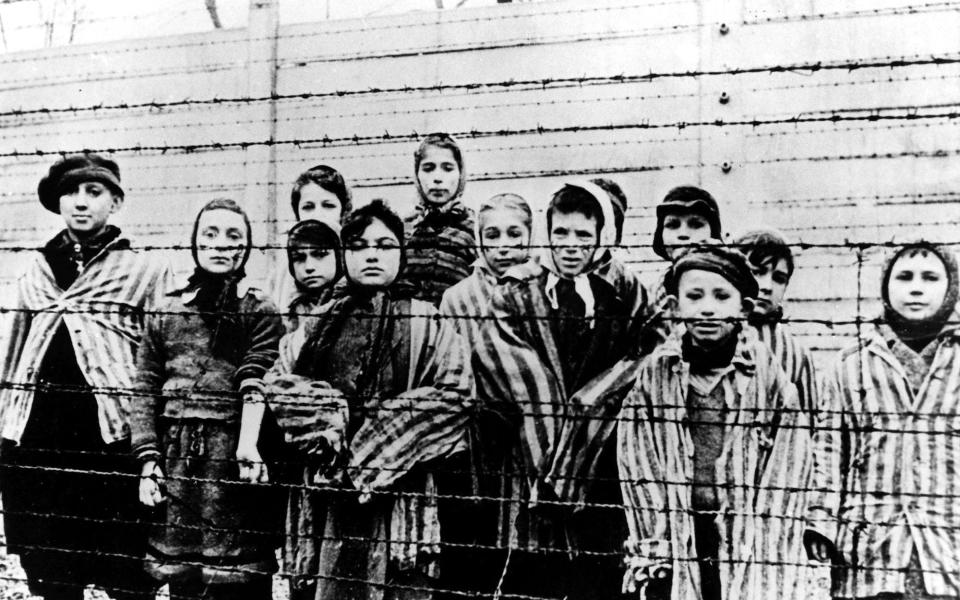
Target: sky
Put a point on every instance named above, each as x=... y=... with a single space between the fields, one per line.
x=33 y=24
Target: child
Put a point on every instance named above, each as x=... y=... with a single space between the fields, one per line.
x=66 y=448
x=710 y=441
x=441 y=246
x=313 y=250
x=884 y=508
x=198 y=409
x=554 y=329
x=405 y=381
x=321 y=194
x=315 y=260
x=687 y=216
x=771 y=260
x=504 y=227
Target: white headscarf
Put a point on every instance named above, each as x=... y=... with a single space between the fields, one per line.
x=607 y=238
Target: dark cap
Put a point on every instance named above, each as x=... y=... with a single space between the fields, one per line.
x=73 y=170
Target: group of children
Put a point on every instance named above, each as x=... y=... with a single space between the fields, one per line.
x=439 y=410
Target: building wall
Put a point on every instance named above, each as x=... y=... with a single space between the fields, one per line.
x=839 y=123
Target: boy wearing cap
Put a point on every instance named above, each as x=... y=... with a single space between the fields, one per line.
x=70 y=513
x=554 y=327
x=710 y=441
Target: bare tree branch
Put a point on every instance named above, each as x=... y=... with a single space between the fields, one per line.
x=214 y=16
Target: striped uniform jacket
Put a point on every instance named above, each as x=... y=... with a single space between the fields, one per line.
x=441 y=246
x=764 y=463
x=795 y=358
x=104 y=311
x=519 y=367
x=886 y=478
x=424 y=423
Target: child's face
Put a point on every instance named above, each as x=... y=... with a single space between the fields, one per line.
x=680 y=229
x=573 y=242
x=772 y=277
x=710 y=302
x=917 y=285
x=87 y=209
x=504 y=239
x=438 y=175
x=313 y=267
x=222 y=239
x=319 y=204
x=373 y=259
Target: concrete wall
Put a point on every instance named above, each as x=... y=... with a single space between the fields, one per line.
x=839 y=125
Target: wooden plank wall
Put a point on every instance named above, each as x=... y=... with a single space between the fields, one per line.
x=839 y=126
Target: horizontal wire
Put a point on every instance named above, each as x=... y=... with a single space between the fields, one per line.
x=387 y=137
x=889 y=62
x=912 y=9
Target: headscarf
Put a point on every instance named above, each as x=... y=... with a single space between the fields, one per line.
x=729 y=264
x=439 y=140
x=686 y=198
x=925 y=330
x=607 y=239
x=318 y=234
x=216 y=296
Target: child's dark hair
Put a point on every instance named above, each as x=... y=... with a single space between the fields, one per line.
x=572 y=199
x=439 y=140
x=327 y=178
x=618 y=201
x=765 y=245
x=358 y=221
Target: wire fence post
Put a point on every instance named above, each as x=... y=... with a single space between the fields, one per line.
x=260 y=161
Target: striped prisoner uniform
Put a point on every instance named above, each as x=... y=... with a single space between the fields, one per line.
x=886 y=478
x=441 y=246
x=763 y=463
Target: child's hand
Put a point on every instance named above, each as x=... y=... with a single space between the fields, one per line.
x=252 y=467
x=151 y=482
x=818 y=547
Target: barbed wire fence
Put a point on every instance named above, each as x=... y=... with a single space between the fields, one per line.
x=839 y=127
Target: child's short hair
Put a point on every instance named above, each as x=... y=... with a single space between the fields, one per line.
x=686 y=198
x=313 y=233
x=327 y=178
x=439 y=140
x=764 y=245
x=572 y=199
x=618 y=201
x=358 y=221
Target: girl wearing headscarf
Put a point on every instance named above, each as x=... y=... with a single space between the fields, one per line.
x=504 y=228
x=712 y=449
x=883 y=507
x=378 y=393
x=441 y=246
x=197 y=409
x=554 y=328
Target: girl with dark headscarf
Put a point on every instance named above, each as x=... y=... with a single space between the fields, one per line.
x=378 y=393
x=441 y=245
x=197 y=410
x=883 y=508
x=315 y=262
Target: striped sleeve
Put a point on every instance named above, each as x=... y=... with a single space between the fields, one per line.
x=831 y=449
x=643 y=477
x=425 y=423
